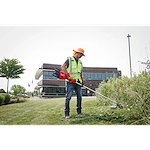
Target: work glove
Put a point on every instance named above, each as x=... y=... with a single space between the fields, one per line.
x=83 y=81
x=69 y=78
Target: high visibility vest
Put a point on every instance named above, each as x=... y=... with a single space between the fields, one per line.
x=74 y=69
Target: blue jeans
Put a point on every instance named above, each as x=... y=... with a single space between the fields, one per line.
x=70 y=87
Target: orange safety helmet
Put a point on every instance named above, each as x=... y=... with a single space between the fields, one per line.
x=80 y=50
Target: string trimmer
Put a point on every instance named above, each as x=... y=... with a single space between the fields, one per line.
x=61 y=75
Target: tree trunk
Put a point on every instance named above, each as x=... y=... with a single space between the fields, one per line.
x=7 y=84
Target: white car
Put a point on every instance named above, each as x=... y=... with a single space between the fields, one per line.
x=22 y=95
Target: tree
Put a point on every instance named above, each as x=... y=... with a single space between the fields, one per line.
x=147 y=63
x=18 y=89
x=11 y=69
x=2 y=91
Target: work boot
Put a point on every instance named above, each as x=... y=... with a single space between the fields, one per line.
x=67 y=117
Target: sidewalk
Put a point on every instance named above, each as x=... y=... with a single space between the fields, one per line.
x=34 y=98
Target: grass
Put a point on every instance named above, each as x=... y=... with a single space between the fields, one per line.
x=51 y=112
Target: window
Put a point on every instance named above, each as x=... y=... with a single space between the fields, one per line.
x=99 y=76
x=111 y=75
x=96 y=76
x=89 y=76
x=51 y=90
x=45 y=74
x=85 y=76
x=48 y=75
x=93 y=76
x=103 y=76
x=116 y=75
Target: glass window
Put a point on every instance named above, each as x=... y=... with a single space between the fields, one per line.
x=99 y=76
x=106 y=76
x=92 y=76
x=85 y=76
x=116 y=75
x=49 y=90
x=89 y=76
x=96 y=76
x=111 y=75
x=48 y=75
x=103 y=76
x=45 y=74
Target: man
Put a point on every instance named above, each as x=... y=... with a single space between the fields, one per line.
x=73 y=70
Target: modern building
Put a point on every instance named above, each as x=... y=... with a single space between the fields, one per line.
x=50 y=86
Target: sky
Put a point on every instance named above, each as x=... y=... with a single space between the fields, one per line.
x=105 y=46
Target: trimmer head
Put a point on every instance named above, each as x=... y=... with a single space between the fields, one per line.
x=119 y=105
x=115 y=107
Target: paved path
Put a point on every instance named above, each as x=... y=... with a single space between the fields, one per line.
x=34 y=98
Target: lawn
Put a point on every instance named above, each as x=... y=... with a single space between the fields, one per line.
x=51 y=112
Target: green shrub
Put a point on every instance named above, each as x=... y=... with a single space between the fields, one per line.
x=7 y=99
x=1 y=99
x=18 y=100
x=2 y=91
x=133 y=93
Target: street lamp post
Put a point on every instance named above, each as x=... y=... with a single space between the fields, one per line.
x=129 y=54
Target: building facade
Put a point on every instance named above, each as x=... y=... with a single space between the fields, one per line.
x=50 y=86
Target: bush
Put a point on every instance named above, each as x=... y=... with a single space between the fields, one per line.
x=2 y=91
x=18 y=100
x=133 y=93
x=1 y=99
x=7 y=99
